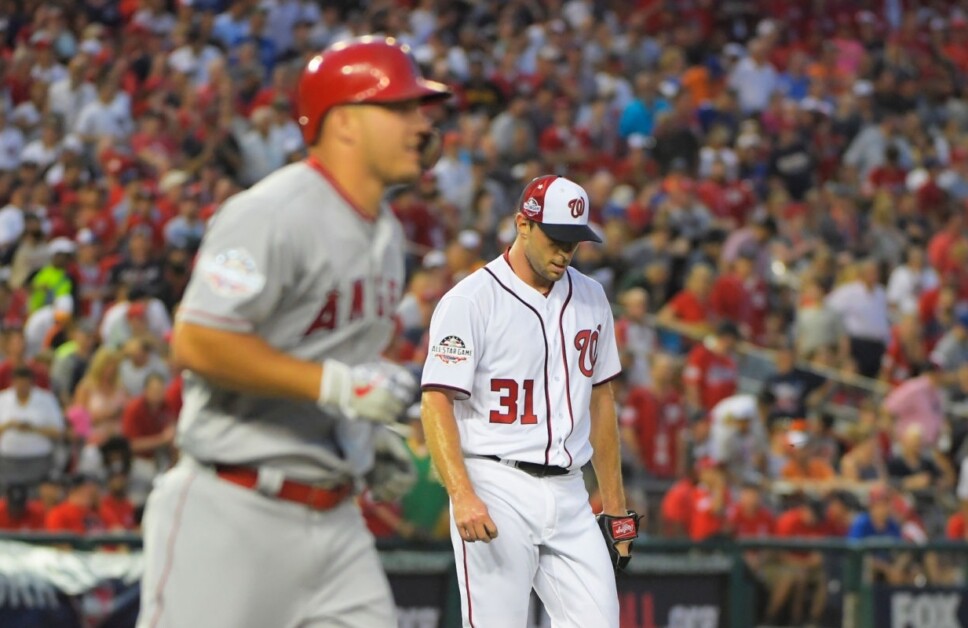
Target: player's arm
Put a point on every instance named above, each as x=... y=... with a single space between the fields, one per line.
x=443 y=440
x=605 y=446
x=244 y=362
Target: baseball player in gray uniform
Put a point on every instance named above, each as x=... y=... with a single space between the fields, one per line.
x=285 y=398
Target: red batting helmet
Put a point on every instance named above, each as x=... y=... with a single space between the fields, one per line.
x=363 y=70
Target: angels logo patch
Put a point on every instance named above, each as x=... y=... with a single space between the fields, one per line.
x=451 y=350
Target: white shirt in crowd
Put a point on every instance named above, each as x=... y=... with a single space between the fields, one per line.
x=112 y=120
x=68 y=101
x=196 y=65
x=40 y=153
x=905 y=287
x=11 y=145
x=864 y=311
x=754 y=84
x=261 y=155
x=41 y=410
x=11 y=225
x=727 y=443
x=115 y=329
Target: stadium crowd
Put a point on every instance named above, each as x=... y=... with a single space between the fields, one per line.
x=789 y=176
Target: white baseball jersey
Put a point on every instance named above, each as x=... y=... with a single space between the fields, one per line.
x=294 y=262
x=523 y=364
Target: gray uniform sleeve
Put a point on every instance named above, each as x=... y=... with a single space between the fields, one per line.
x=243 y=267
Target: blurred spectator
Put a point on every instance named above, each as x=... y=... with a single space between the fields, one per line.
x=711 y=373
x=878 y=522
x=424 y=509
x=754 y=78
x=710 y=499
x=794 y=390
x=639 y=117
x=675 y=511
x=45 y=323
x=635 y=337
x=863 y=305
x=653 y=420
x=916 y=467
x=909 y=281
x=805 y=469
x=18 y=513
x=906 y=355
x=800 y=578
x=16 y=357
x=78 y=512
x=53 y=280
x=99 y=398
x=148 y=424
x=135 y=315
x=138 y=269
x=70 y=361
x=737 y=438
x=863 y=464
x=918 y=402
x=818 y=327
x=31 y=425
x=951 y=352
x=138 y=363
x=115 y=510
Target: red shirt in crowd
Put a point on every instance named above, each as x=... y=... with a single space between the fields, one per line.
x=658 y=420
x=705 y=521
x=688 y=308
x=117 y=514
x=141 y=420
x=676 y=507
x=41 y=378
x=32 y=518
x=955 y=530
x=750 y=524
x=173 y=395
x=715 y=374
x=69 y=517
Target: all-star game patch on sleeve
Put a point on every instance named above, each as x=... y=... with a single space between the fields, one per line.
x=241 y=269
x=455 y=334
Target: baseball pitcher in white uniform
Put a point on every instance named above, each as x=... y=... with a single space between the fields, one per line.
x=281 y=329
x=516 y=399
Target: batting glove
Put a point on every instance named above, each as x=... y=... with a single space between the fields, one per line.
x=393 y=473
x=378 y=391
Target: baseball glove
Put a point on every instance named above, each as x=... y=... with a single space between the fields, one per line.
x=393 y=473
x=619 y=530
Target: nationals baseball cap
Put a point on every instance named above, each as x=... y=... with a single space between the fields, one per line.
x=560 y=207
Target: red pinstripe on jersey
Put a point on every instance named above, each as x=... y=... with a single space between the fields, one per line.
x=564 y=357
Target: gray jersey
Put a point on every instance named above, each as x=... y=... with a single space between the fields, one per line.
x=294 y=262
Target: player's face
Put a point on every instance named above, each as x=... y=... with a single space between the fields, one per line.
x=392 y=138
x=548 y=258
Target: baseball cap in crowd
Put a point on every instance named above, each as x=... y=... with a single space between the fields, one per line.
x=61 y=245
x=469 y=239
x=85 y=237
x=434 y=259
x=559 y=207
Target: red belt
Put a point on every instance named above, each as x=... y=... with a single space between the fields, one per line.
x=315 y=497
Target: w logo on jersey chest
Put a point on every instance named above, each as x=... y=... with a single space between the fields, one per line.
x=586 y=341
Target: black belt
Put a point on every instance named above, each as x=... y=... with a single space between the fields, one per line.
x=531 y=468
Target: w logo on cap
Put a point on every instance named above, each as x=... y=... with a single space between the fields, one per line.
x=577 y=207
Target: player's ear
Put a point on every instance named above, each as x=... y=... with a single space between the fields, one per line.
x=523 y=224
x=342 y=123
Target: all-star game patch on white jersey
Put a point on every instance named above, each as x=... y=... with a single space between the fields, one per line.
x=482 y=350
x=272 y=264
